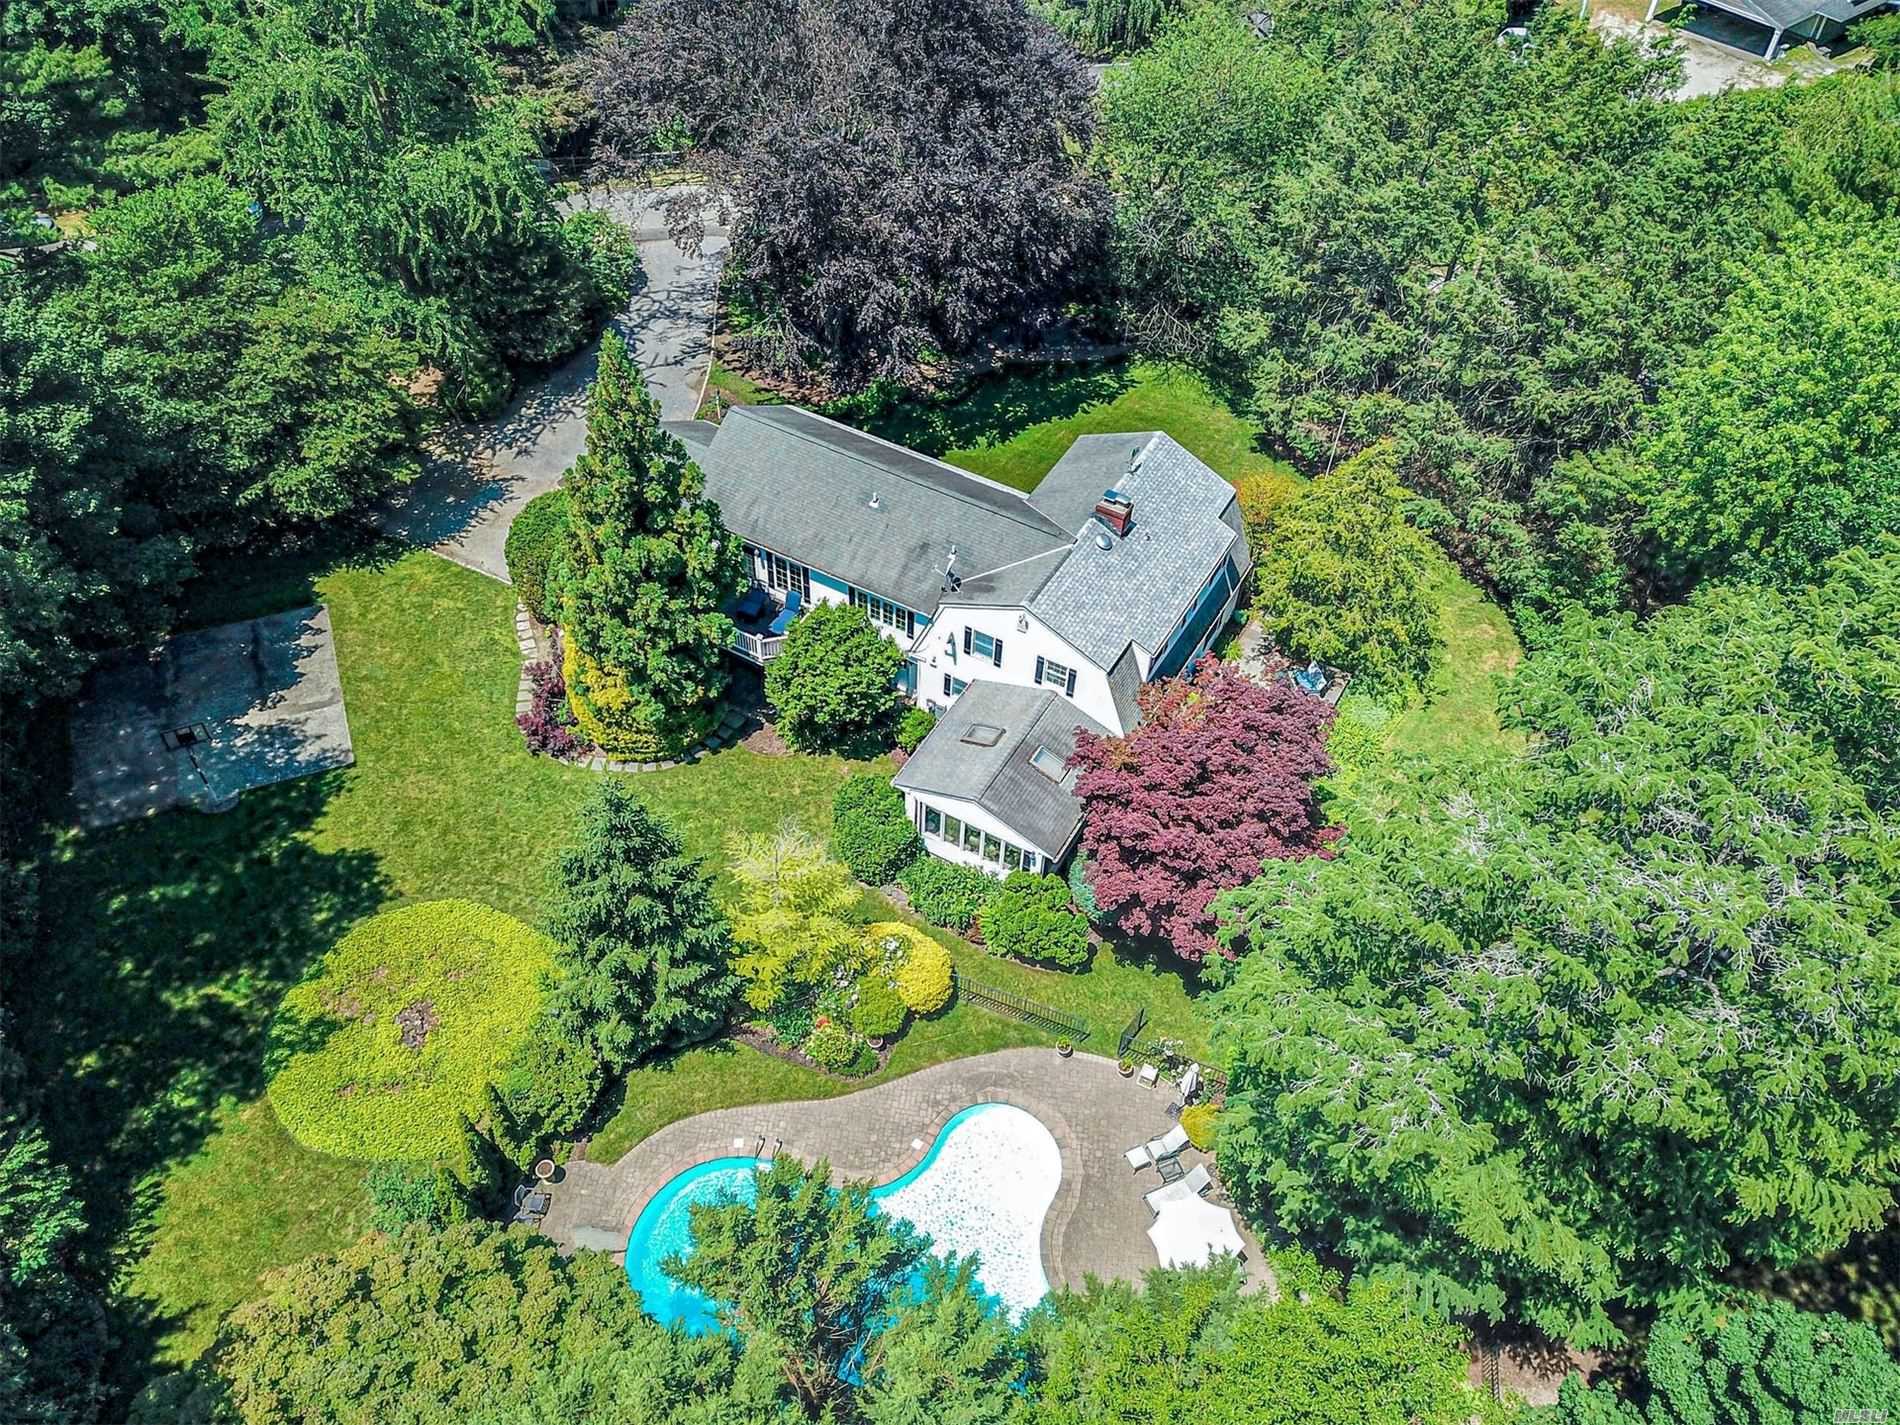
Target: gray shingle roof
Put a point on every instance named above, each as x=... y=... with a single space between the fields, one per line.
x=1785 y=14
x=798 y=483
x=1136 y=589
x=999 y=778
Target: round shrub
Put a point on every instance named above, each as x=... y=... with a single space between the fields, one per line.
x=945 y=893
x=913 y=727
x=1200 y=1121
x=880 y=1011
x=404 y=1026
x=832 y=1046
x=1030 y=919
x=832 y=682
x=535 y=540
x=918 y=967
x=869 y=831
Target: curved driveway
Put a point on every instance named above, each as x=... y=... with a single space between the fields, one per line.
x=1097 y=1225
x=480 y=475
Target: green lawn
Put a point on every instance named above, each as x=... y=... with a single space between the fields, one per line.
x=177 y=936
x=1459 y=713
x=1013 y=428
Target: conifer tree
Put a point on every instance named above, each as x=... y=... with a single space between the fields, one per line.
x=649 y=566
x=644 y=952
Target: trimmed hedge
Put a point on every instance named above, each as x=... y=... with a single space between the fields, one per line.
x=869 y=831
x=462 y=982
x=1030 y=919
x=832 y=1046
x=945 y=893
x=535 y=541
x=918 y=967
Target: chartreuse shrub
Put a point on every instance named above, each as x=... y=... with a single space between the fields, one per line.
x=833 y=1047
x=1200 y=1120
x=535 y=540
x=622 y=722
x=945 y=893
x=1031 y=919
x=917 y=966
x=403 y=1028
x=869 y=831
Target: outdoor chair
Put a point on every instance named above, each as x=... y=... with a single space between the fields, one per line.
x=1169 y=1144
x=751 y=603
x=1198 y=1181
x=1149 y=1076
x=1139 y=1158
x=1171 y=1170
x=794 y=601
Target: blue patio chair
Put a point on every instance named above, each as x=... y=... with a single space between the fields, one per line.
x=793 y=602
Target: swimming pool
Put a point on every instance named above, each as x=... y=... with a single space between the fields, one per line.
x=983 y=1189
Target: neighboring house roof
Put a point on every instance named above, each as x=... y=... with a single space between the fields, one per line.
x=1785 y=14
x=961 y=758
x=1136 y=589
x=793 y=481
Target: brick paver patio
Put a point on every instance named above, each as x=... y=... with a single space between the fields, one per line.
x=1097 y=1225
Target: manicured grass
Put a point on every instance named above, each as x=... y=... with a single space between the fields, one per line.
x=1459 y=713
x=177 y=937
x=725 y=388
x=1013 y=428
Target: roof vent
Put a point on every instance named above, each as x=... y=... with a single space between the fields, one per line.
x=1115 y=510
x=1102 y=541
x=877 y=502
x=982 y=734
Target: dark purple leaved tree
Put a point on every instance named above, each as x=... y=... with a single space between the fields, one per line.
x=1217 y=778
x=905 y=178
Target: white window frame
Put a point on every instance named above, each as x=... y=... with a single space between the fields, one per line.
x=785 y=575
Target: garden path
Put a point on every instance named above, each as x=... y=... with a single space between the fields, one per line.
x=481 y=474
x=1097 y=1225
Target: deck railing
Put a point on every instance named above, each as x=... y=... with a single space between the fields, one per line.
x=759 y=648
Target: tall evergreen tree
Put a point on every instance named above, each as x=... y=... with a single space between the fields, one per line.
x=1344 y=578
x=949 y=1358
x=649 y=566
x=645 y=953
x=1769 y=1363
x=1592 y=1025
x=803 y=1274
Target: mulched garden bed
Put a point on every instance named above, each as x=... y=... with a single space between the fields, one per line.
x=761 y=1038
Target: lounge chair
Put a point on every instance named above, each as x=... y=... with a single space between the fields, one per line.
x=1193 y=1185
x=1139 y=1158
x=1166 y=1194
x=794 y=601
x=1169 y=1144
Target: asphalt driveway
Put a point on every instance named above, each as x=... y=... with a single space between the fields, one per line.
x=482 y=474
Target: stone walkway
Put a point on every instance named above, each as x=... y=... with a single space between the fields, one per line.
x=1097 y=1225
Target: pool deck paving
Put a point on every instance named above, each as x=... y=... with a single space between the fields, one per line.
x=1096 y=1227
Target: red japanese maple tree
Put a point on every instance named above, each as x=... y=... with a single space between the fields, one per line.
x=1217 y=778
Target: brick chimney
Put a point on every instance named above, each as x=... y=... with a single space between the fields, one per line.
x=1116 y=511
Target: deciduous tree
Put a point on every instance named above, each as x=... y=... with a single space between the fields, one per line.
x=1217 y=778
x=792 y=923
x=832 y=684
x=904 y=176
x=1590 y=1026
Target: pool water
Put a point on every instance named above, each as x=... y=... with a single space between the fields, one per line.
x=982 y=1190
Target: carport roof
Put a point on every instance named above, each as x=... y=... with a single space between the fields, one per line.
x=1785 y=14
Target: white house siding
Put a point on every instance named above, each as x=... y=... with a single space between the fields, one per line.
x=970 y=814
x=1025 y=638
x=828 y=590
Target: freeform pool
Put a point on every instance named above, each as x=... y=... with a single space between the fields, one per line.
x=983 y=1189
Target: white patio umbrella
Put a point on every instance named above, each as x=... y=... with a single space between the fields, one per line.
x=1190 y=1081
x=1190 y=1230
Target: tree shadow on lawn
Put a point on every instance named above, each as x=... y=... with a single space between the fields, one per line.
x=998 y=408
x=167 y=944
